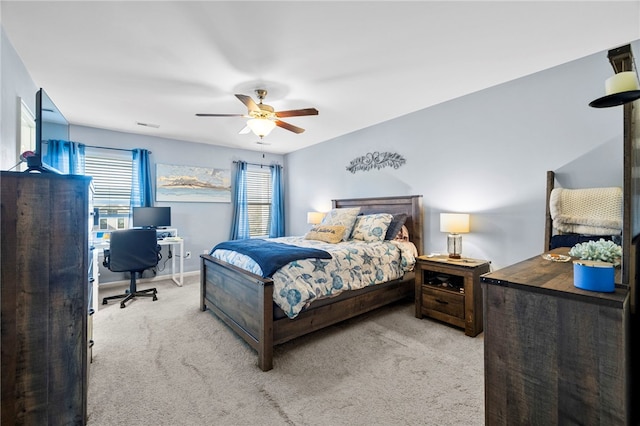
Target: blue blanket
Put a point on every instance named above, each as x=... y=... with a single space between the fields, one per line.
x=269 y=255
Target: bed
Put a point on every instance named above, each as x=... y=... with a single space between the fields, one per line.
x=245 y=301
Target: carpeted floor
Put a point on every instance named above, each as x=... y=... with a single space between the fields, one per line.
x=168 y=363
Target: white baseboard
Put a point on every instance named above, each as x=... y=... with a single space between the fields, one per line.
x=145 y=280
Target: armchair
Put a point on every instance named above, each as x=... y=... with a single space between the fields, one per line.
x=132 y=250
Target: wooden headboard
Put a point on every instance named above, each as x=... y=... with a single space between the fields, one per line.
x=411 y=205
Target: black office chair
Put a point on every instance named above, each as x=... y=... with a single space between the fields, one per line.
x=132 y=250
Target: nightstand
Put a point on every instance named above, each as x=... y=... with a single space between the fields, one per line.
x=449 y=290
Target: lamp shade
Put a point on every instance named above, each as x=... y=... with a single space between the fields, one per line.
x=454 y=223
x=261 y=126
x=314 y=218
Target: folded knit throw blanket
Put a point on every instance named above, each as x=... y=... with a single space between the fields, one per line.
x=593 y=211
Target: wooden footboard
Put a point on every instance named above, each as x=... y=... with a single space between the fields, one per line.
x=352 y=304
x=244 y=301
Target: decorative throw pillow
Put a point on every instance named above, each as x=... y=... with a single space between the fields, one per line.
x=371 y=227
x=403 y=235
x=395 y=226
x=328 y=233
x=345 y=217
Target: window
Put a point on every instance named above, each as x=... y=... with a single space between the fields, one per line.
x=258 y=200
x=111 y=173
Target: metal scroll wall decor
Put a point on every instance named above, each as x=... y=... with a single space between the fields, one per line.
x=376 y=160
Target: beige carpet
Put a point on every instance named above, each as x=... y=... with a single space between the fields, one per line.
x=168 y=363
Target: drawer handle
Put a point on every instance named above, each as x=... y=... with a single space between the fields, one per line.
x=444 y=302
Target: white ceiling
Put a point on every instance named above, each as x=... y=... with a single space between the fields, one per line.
x=111 y=64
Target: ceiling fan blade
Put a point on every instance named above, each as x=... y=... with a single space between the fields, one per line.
x=220 y=115
x=290 y=127
x=297 y=112
x=249 y=103
x=244 y=130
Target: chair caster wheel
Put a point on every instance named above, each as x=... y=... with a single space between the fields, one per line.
x=154 y=298
x=104 y=302
x=122 y=306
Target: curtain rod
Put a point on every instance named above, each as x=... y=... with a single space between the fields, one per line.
x=115 y=149
x=258 y=164
x=103 y=147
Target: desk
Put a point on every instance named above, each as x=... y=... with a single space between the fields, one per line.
x=176 y=275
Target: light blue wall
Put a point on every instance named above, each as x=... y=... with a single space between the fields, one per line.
x=202 y=225
x=486 y=153
x=16 y=84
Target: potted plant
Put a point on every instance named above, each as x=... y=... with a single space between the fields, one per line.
x=601 y=250
x=595 y=269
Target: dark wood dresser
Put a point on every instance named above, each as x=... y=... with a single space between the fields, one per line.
x=44 y=298
x=554 y=354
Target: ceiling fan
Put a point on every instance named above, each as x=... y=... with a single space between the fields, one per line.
x=263 y=118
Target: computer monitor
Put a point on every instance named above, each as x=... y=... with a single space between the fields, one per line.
x=151 y=217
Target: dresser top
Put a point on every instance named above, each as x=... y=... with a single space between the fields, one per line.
x=555 y=278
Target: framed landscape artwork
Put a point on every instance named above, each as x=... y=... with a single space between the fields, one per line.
x=192 y=184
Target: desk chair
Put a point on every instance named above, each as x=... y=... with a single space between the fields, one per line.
x=132 y=250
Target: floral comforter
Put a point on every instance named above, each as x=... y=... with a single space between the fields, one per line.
x=354 y=265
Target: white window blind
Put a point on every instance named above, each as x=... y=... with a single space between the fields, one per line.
x=112 y=187
x=259 y=200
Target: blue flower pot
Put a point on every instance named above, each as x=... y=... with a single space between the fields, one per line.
x=593 y=275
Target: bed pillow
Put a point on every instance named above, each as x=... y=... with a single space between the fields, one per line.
x=403 y=235
x=395 y=226
x=342 y=217
x=371 y=227
x=328 y=233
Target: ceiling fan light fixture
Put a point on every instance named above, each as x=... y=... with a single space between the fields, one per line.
x=263 y=118
x=261 y=126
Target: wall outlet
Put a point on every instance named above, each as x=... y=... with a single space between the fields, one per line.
x=187 y=255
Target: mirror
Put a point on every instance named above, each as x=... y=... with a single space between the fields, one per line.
x=26 y=138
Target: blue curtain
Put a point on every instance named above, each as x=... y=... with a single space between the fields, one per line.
x=276 y=227
x=240 y=223
x=65 y=156
x=141 y=189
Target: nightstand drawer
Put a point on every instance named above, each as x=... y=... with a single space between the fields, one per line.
x=443 y=301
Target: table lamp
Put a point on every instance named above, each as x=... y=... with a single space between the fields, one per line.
x=314 y=218
x=455 y=224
